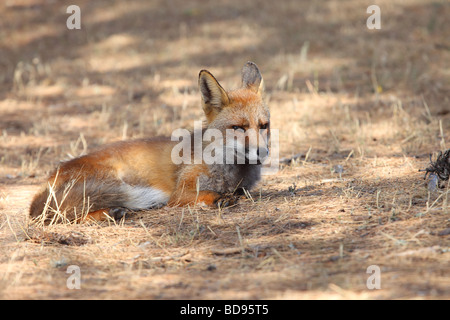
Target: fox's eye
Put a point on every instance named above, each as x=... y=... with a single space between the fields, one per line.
x=238 y=128
x=264 y=126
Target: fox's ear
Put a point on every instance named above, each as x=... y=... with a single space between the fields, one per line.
x=214 y=97
x=251 y=78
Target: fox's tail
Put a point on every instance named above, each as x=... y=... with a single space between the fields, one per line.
x=72 y=200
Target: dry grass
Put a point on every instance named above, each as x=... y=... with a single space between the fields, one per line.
x=361 y=109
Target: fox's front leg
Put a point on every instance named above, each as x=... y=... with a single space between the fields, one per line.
x=203 y=198
x=189 y=197
x=188 y=190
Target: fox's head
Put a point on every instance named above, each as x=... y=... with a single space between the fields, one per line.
x=241 y=115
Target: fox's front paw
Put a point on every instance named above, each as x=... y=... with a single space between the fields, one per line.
x=227 y=200
x=118 y=213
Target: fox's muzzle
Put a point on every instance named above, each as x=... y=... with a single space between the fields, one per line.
x=256 y=155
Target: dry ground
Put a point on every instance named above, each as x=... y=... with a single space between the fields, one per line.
x=375 y=102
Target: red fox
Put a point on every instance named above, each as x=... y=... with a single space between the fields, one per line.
x=141 y=174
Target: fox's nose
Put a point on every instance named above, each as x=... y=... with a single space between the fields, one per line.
x=262 y=153
x=257 y=155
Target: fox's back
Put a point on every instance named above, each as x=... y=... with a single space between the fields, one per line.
x=139 y=162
